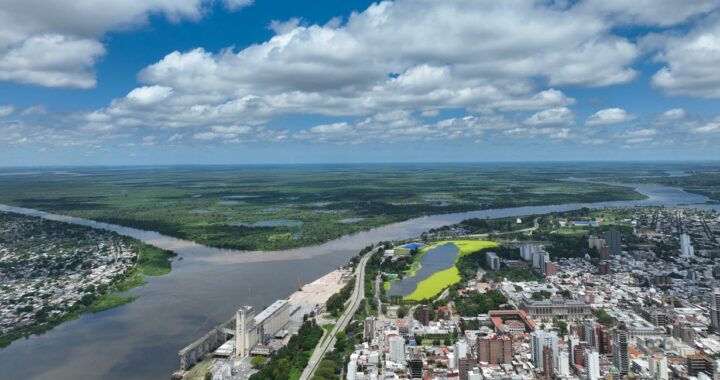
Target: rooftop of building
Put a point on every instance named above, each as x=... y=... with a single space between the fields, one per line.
x=270 y=310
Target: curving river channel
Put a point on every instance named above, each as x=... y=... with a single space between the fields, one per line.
x=140 y=340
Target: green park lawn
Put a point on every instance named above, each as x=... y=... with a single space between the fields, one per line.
x=438 y=281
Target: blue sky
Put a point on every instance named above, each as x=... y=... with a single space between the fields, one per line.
x=236 y=81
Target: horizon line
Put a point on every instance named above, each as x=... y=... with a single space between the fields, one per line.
x=268 y=164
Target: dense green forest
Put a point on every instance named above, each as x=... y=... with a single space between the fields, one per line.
x=280 y=207
x=289 y=361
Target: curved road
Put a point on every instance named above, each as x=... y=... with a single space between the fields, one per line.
x=357 y=296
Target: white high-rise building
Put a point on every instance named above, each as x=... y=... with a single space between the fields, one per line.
x=658 y=367
x=352 y=367
x=397 y=349
x=540 y=340
x=564 y=364
x=461 y=349
x=595 y=242
x=493 y=261
x=573 y=341
x=452 y=360
x=592 y=364
x=527 y=251
x=539 y=258
x=686 y=247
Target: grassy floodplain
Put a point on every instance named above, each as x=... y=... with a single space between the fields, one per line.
x=282 y=207
x=152 y=261
x=440 y=280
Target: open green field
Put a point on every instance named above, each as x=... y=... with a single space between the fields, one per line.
x=281 y=207
x=467 y=247
x=440 y=280
x=434 y=284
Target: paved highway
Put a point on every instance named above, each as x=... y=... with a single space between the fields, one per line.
x=354 y=302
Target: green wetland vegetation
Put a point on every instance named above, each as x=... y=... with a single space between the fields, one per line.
x=282 y=207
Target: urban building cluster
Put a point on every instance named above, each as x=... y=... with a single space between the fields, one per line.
x=48 y=269
x=641 y=302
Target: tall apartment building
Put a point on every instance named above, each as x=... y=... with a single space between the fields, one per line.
x=589 y=333
x=595 y=242
x=604 y=339
x=424 y=315
x=493 y=261
x=527 y=251
x=495 y=349
x=605 y=253
x=614 y=241
x=548 y=357
x=397 y=349
x=658 y=367
x=592 y=364
x=563 y=364
x=369 y=329
x=540 y=340
x=621 y=359
x=686 y=247
x=700 y=363
x=416 y=368
x=715 y=310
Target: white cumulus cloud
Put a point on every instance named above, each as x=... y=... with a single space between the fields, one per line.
x=610 y=116
x=415 y=55
x=57 y=43
x=651 y=12
x=691 y=62
x=553 y=116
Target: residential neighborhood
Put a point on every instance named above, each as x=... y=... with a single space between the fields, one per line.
x=49 y=269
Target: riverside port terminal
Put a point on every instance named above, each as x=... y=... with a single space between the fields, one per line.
x=247 y=333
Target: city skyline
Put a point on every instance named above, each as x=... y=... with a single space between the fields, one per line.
x=237 y=82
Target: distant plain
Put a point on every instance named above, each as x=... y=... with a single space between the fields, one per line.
x=283 y=207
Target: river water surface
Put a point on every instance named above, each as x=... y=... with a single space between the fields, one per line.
x=140 y=340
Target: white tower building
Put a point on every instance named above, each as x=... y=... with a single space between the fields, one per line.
x=244 y=323
x=541 y=339
x=592 y=364
x=686 y=247
x=352 y=367
x=461 y=350
x=564 y=364
x=658 y=367
x=527 y=250
x=397 y=349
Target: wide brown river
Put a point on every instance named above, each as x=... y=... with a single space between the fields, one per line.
x=140 y=340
